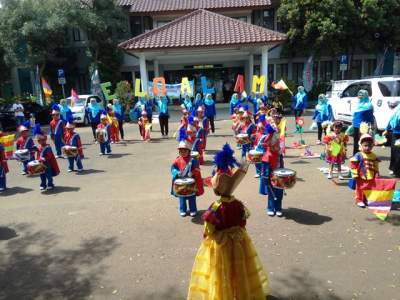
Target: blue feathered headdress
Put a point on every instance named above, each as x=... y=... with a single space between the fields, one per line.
x=225 y=159
x=191 y=120
x=182 y=136
x=27 y=124
x=37 y=130
x=261 y=119
x=55 y=106
x=70 y=119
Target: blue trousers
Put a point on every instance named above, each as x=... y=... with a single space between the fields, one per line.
x=192 y=204
x=58 y=143
x=245 y=149
x=71 y=161
x=2 y=178
x=275 y=204
x=25 y=164
x=105 y=147
x=46 y=179
x=258 y=168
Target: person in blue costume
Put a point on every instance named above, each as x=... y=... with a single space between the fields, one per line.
x=271 y=160
x=184 y=166
x=323 y=113
x=118 y=109
x=146 y=105
x=256 y=100
x=394 y=128
x=73 y=139
x=364 y=113
x=45 y=155
x=65 y=110
x=57 y=130
x=236 y=101
x=188 y=104
x=198 y=101
x=163 y=114
x=103 y=133
x=210 y=110
x=299 y=102
x=93 y=112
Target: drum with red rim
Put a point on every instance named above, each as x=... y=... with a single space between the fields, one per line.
x=184 y=187
x=36 y=167
x=243 y=139
x=283 y=178
x=70 y=151
x=254 y=156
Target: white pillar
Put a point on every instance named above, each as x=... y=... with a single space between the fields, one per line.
x=264 y=67
x=143 y=72
x=250 y=72
x=156 y=68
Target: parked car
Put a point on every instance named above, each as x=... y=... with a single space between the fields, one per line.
x=385 y=97
x=7 y=120
x=79 y=108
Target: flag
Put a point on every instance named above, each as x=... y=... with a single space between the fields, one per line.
x=379 y=194
x=46 y=89
x=308 y=79
x=280 y=85
x=8 y=144
x=95 y=85
x=38 y=89
x=74 y=97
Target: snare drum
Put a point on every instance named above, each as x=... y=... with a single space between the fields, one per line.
x=22 y=155
x=36 y=167
x=184 y=187
x=243 y=139
x=283 y=178
x=70 y=151
x=254 y=156
x=195 y=155
x=100 y=135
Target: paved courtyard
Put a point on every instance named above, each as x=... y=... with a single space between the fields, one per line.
x=114 y=231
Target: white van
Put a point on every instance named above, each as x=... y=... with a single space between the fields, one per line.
x=79 y=108
x=384 y=93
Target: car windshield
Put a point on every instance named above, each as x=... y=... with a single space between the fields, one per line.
x=80 y=102
x=390 y=88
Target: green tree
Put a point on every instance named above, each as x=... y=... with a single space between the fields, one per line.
x=124 y=93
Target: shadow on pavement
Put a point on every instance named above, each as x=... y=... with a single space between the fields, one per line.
x=299 y=162
x=90 y=171
x=61 y=189
x=118 y=155
x=208 y=163
x=392 y=219
x=211 y=152
x=197 y=219
x=300 y=285
x=170 y=294
x=7 y=233
x=15 y=190
x=33 y=266
x=305 y=217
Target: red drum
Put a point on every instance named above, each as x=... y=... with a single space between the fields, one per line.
x=254 y=156
x=184 y=187
x=70 y=151
x=243 y=139
x=36 y=167
x=283 y=178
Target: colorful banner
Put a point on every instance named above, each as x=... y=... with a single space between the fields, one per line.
x=95 y=85
x=46 y=89
x=8 y=143
x=172 y=90
x=379 y=194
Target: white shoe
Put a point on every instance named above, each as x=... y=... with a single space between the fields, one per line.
x=361 y=204
x=329 y=176
x=341 y=177
x=23 y=173
x=193 y=214
x=257 y=176
x=2 y=190
x=318 y=142
x=182 y=214
x=69 y=170
x=101 y=154
x=279 y=214
x=271 y=213
x=42 y=188
x=391 y=173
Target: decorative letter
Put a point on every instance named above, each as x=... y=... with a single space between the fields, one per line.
x=204 y=87
x=258 y=81
x=138 y=93
x=239 y=86
x=185 y=86
x=105 y=89
x=156 y=91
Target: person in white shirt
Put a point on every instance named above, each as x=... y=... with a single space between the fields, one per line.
x=18 y=110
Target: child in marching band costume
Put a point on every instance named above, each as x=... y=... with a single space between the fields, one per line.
x=256 y=137
x=57 y=130
x=144 y=126
x=185 y=166
x=73 y=139
x=227 y=265
x=103 y=135
x=3 y=167
x=203 y=123
x=364 y=167
x=25 y=142
x=335 y=150
x=45 y=155
x=271 y=160
x=210 y=111
x=247 y=127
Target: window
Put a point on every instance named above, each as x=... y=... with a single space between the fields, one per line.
x=325 y=71
x=369 y=67
x=297 y=72
x=140 y=24
x=242 y=18
x=270 y=73
x=351 y=91
x=76 y=33
x=162 y=23
x=315 y=72
x=281 y=71
x=366 y=86
x=268 y=19
x=390 y=88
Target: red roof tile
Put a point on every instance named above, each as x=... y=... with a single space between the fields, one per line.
x=142 y=6
x=202 y=29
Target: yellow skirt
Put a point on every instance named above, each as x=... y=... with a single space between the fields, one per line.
x=227 y=267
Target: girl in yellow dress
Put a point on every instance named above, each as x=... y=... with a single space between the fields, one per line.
x=227 y=266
